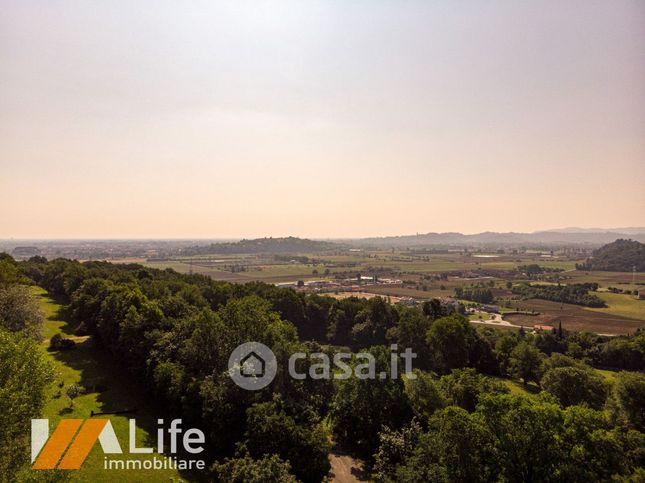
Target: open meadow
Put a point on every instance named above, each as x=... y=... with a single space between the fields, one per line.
x=107 y=387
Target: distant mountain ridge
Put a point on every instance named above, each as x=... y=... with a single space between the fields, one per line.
x=631 y=230
x=555 y=237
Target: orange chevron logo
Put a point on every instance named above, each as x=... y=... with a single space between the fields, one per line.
x=70 y=443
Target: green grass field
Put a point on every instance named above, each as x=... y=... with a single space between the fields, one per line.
x=606 y=279
x=532 y=389
x=610 y=376
x=479 y=316
x=621 y=304
x=517 y=388
x=108 y=388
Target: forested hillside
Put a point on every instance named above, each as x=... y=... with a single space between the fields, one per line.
x=619 y=256
x=262 y=245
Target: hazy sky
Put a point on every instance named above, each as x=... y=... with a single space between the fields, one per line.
x=324 y=119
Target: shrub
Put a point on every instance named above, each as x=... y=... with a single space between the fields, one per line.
x=58 y=342
x=73 y=391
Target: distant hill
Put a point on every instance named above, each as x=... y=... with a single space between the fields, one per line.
x=631 y=230
x=540 y=238
x=619 y=256
x=262 y=245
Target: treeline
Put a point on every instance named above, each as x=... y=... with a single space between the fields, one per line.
x=476 y=294
x=619 y=256
x=577 y=294
x=296 y=258
x=533 y=269
x=453 y=422
x=262 y=245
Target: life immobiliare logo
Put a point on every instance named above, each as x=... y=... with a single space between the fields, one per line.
x=72 y=440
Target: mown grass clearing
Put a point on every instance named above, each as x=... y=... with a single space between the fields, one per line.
x=621 y=304
x=516 y=387
x=610 y=376
x=108 y=387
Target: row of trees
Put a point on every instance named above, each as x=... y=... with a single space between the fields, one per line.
x=476 y=294
x=577 y=293
x=533 y=269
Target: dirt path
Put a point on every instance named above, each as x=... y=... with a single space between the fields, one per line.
x=496 y=320
x=344 y=468
x=76 y=338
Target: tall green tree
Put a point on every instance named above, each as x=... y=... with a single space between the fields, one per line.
x=455 y=449
x=20 y=311
x=410 y=331
x=396 y=447
x=270 y=430
x=575 y=385
x=424 y=394
x=447 y=340
x=24 y=377
x=627 y=402
x=525 y=362
x=361 y=407
x=267 y=469
x=463 y=387
x=525 y=435
x=592 y=451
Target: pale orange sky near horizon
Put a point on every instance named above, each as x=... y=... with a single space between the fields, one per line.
x=319 y=119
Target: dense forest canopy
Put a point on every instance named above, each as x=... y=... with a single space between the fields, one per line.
x=456 y=421
x=619 y=256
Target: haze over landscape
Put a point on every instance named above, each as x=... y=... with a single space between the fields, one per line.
x=322 y=241
x=319 y=119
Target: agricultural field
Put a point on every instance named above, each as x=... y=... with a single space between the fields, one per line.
x=616 y=279
x=259 y=267
x=574 y=317
x=424 y=276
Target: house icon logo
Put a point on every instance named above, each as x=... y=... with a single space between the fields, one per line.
x=252 y=366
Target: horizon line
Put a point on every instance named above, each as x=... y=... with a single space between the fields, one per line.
x=359 y=237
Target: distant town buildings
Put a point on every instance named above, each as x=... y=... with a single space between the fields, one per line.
x=455 y=304
x=355 y=284
x=491 y=308
x=25 y=252
x=408 y=301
